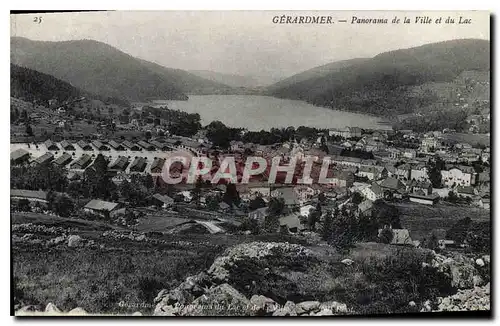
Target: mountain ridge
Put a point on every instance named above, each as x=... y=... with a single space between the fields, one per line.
x=102 y=69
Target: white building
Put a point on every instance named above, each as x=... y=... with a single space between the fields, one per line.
x=458 y=175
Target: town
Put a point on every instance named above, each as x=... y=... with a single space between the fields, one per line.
x=365 y=168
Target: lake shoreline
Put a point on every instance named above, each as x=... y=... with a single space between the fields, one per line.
x=264 y=112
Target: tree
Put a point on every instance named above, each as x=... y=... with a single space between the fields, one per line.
x=257 y=202
x=433 y=242
x=276 y=206
x=434 y=168
x=63 y=206
x=231 y=196
x=23 y=205
x=314 y=216
x=29 y=130
x=327 y=229
x=386 y=235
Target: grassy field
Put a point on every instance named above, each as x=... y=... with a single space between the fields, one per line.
x=421 y=220
x=98 y=279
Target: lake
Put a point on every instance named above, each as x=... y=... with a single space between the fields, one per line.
x=256 y=112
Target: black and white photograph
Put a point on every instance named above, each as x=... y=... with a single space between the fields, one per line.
x=264 y=163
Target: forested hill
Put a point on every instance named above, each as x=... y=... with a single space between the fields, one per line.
x=31 y=85
x=101 y=69
x=382 y=85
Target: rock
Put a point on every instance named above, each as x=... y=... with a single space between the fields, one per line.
x=412 y=304
x=137 y=313
x=163 y=293
x=480 y=262
x=141 y=237
x=75 y=241
x=247 y=232
x=166 y=310
x=325 y=312
x=261 y=305
x=77 y=312
x=426 y=307
x=486 y=259
x=26 y=311
x=222 y=300
x=57 y=240
x=307 y=306
x=52 y=308
x=347 y=262
x=177 y=296
x=289 y=309
x=334 y=306
x=477 y=280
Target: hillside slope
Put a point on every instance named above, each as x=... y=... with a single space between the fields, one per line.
x=31 y=85
x=379 y=85
x=102 y=69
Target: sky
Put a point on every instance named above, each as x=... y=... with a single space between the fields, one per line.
x=248 y=42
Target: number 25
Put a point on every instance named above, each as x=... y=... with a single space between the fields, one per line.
x=37 y=20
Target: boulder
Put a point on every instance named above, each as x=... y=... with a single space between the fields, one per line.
x=307 y=306
x=77 y=312
x=177 y=296
x=479 y=262
x=57 y=240
x=486 y=259
x=325 y=312
x=261 y=305
x=163 y=293
x=334 y=306
x=289 y=309
x=166 y=310
x=75 y=241
x=26 y=310
x=222 y=300
x=137 y=313
x=52 y=308
x=347 y=262
x=412 y=304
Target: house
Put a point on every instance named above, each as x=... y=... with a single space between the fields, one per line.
x=484 y=202
x=82 y=162
x=138 y=164
x=163 y=200
x=19 y=156
x=157 y=165
x=429 y=144
x=116 y=146
x=373 y=172
x=373 y=193
x=50 y=145
x=400 y=237
x=421 y=198
x=84 y=145
x=44 y=159
x=119 y=164
x=467 y=191
x=445 y=243
x=31 y=195
x=146 y=145
x=63 y=160
x=160 y=146
x=408 y=153
x=291 y=223
x=424 y=186
x=131 y=146
x=347 y=132
x=67 y=146
x=100 y=146
x=101 y=207
x=305 y=210
x=288 y=194
x=419 y=172
x=259 y=214
x=392 y=185
x=403 y=171
x=341 y=178
x=365 y=207
x=458 y=175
